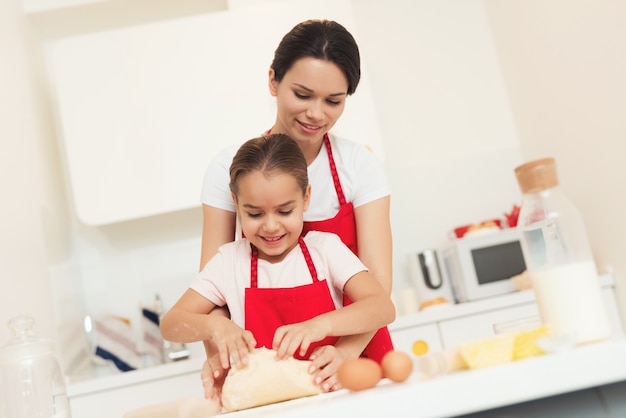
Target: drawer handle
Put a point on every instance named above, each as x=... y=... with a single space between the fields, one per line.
x=420 y=347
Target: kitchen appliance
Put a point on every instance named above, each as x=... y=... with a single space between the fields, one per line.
x=430 y=286
x=482 y=265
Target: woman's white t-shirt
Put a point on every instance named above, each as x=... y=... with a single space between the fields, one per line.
x=226 y=276
x=361 y=174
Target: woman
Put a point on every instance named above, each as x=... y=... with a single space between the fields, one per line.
x=315 y=68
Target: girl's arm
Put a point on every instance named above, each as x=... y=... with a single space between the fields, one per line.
x=218 y=227
x=371 y=309
x=188 y=321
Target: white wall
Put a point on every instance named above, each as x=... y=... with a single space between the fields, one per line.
x=25 y=138
x=449 y=133
x=564 y=63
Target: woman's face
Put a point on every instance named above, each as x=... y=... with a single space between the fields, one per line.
x=310 y=99
x=271 y=210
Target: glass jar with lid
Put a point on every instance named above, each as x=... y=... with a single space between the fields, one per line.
x=558 y=256
x=31 y=382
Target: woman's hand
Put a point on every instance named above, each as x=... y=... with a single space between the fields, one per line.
x=325 y=364
x=213 y=374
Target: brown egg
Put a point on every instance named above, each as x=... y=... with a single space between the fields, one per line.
x=359 y=373
x=397 y=366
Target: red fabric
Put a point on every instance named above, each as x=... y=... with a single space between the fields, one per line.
x=268 y=308
x=344 y=225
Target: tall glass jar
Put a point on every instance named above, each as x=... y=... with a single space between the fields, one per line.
x=31 y=382
x=558 y=257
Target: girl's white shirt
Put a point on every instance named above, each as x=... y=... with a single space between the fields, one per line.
x=361 y=173
x=226 y=276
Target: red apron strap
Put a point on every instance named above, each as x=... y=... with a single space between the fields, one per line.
x=254 y=267
x=254 y=263
x=307 y=257
x=333 y=171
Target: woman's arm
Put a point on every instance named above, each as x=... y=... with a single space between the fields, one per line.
x=218 y=228
x=374 y=240
x=375 y=249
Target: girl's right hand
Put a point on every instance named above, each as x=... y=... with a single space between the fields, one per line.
x=232 y=342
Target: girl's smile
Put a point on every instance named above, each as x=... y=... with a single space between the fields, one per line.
x=271 y=208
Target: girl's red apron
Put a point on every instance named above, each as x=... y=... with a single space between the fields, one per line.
x=268 y=308
x=344 y=225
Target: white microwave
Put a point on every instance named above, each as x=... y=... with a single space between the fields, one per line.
x=482 y=266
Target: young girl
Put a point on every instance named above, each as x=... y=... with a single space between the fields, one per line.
x=284 y=290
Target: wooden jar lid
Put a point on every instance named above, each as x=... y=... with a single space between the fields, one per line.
x=537 y=175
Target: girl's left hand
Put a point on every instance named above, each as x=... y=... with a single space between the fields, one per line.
x=288 y=338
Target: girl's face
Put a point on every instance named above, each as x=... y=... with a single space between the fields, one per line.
x=271 y=210
x=310 y=98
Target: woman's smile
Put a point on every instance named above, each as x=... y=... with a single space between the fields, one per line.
x=309 y=128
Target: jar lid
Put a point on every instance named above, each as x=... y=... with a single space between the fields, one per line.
x=537 y=175
x=24 y=345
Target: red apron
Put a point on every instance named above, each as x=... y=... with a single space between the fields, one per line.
x=344 y=225
x=268 y=308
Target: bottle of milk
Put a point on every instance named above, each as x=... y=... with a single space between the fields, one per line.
x=558 y=257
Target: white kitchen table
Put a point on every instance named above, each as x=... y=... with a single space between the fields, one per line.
x=466 y=391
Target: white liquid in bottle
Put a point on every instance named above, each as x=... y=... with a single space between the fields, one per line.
x=570 y=301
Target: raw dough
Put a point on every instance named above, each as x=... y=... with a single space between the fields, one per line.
x=266 y=380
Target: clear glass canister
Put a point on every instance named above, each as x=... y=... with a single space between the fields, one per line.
x=31 y=382
x=558 y=257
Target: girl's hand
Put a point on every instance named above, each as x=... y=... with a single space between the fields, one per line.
x=233 y=344
x=325 y=362
x=288 y=338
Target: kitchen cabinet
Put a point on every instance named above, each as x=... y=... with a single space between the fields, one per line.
x=455 y=324
x=427 y=337
x=112 y=396
x=140 y=114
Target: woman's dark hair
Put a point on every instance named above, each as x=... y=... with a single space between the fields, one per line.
x=269 y=153
x=321 y=39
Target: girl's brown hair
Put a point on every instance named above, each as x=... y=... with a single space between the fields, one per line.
x=269 y=153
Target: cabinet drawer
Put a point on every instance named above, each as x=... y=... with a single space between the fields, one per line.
x=116 y=402
x=478 y=326
x=426 y=336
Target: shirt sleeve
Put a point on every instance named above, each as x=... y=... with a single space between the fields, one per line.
x=206 y=282
x=340 y=261
x=215 y=189
x=364 y=174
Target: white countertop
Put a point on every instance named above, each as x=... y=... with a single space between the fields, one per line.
x=472 y=390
